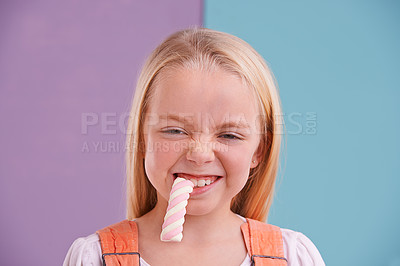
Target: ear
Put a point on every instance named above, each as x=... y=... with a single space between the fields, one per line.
x=256 y=158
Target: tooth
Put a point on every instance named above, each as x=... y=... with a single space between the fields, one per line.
x=201 y=183
x=194 y=181
x=208 y=181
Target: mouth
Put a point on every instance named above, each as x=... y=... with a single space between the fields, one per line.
x=198 y=180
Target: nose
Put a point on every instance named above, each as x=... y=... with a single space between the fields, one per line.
x=200 y=153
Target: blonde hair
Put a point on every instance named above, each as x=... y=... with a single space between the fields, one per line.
x=201 y=48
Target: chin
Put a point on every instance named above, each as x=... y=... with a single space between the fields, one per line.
x=197 y=209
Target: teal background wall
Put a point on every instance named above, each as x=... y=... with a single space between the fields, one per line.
x=337 y=66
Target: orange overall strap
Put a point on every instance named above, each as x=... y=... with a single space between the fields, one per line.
x=264 y=243
x=119 y=244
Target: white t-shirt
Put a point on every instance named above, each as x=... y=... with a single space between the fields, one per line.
x=298 y=250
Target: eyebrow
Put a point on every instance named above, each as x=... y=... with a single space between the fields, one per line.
x=228 y=124
x=176 y=118
x=232 y=124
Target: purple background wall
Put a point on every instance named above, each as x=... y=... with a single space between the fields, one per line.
x=62 y=66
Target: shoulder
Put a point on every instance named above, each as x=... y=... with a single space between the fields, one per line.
x=84 y=251
x=299 y=249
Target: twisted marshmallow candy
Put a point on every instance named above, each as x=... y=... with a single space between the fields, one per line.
x=175 y=217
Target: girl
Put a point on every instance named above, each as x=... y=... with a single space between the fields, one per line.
x=205 y=109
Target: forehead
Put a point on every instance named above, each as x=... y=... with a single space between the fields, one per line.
x=213 y=94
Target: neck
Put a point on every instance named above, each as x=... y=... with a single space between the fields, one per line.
x=200 y=229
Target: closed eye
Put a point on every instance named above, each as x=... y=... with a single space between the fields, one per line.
x=174 y=131
x=230 y=137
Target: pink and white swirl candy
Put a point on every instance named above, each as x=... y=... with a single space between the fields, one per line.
x=172 y=227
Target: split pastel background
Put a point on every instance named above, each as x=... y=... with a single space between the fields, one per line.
x=67 y=73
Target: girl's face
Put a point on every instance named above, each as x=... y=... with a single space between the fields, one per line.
x=204 y=127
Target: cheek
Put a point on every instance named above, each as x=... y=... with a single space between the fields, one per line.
x=236 y=163
x=161 y=155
